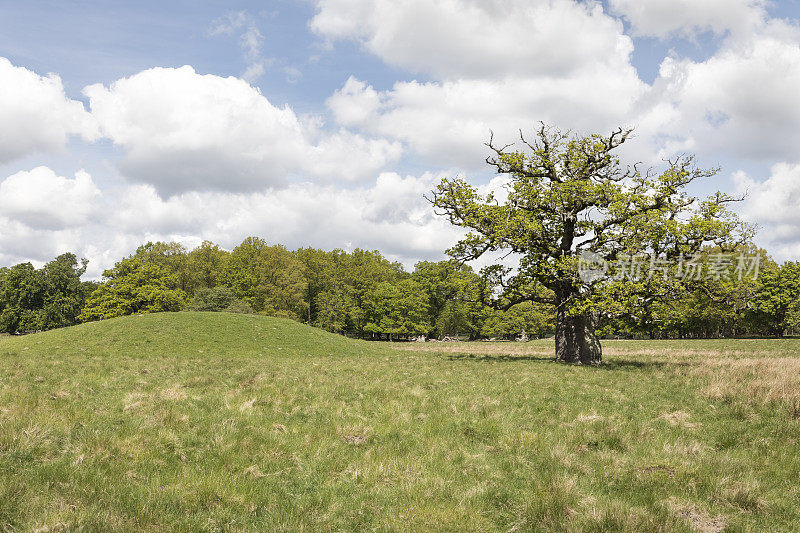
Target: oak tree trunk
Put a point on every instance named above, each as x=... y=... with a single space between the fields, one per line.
x=576 y=341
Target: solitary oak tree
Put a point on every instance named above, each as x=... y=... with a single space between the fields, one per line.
x=569 y=197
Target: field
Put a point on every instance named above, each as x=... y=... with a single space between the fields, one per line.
x=211 y=422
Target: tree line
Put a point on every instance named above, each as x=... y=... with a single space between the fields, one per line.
x=363 y=294
x=358 y=293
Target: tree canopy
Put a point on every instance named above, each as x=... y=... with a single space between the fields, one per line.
x=569 y=195
x=37 y=299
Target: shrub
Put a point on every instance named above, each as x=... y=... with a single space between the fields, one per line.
x=216 y=299
x=238 y=306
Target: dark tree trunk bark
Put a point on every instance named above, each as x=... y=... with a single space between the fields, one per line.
x=576 y=341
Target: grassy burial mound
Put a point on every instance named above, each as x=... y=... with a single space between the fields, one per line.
x=204 y=421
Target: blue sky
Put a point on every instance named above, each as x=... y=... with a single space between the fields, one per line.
x=91 y=42
x=322 y=122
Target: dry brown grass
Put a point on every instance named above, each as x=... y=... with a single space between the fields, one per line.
x=538 y=348
x=698 y=519
x=679 y=418
x=758 y=376
x=355 y=435
x=611 y=349
x=759 y=380
x=174 y=393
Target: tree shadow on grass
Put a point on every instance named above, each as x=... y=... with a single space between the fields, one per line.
x=631 y=364
x=491 y=358
x=610 y=364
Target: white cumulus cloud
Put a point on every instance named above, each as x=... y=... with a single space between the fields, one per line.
x=496 y=65
x=20 y=243
x=772 y=204
x=41 y=199
x=662 y=18
x=476 y=38
x=355 y=104
x=447 y=122
x=184 y=131
x=390 y=215
x=43 y=214
x=743 y=102
x=35 y=113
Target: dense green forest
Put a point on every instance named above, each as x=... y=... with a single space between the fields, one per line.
x=361 y=293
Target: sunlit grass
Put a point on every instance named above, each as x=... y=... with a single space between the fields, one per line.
x=200 y=421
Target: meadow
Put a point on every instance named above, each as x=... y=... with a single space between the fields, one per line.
x=225 y=422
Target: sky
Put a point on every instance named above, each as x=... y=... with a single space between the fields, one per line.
x=324 y=122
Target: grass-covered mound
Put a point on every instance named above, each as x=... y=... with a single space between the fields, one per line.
x=190 y=335
x=201 y=421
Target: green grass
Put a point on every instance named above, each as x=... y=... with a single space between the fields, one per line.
x=201 y=422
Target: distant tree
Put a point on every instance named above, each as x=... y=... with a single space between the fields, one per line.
x=205 y=265
x=362 y=273
x=720 y=305
x=397 y=309
x=240 y=307
x=65 y=293
x=323 y=275
x=171 y=257
x=793 y=318
x=50 y=297
x=776 y=300
x=216 y=299
x=268 y=278
x=569 y=195
x=22 y=294
x=333 y=308
x=135 y=285
x=453 y=292
x=535 y=319
x=220 y=298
